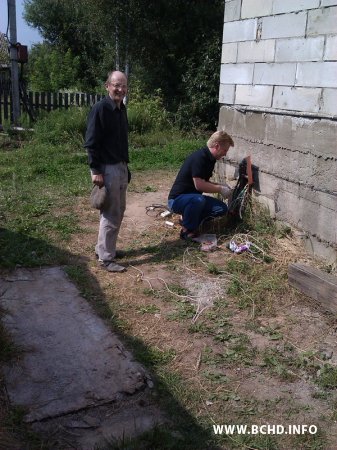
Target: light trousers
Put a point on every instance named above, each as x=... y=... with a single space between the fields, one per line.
x=116 y=183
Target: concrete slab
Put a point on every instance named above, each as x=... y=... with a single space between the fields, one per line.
x=71 y=360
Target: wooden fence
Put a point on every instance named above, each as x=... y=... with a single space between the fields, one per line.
x=33 y=102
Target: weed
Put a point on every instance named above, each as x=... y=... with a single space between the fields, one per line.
x=238 y=266
x=148 y=309
x=235 y=287
x=200 y=328
x=213 y=269
x=153 y=356
x=327 y=377
x=215 y=377
x=279 y=364
x=183 y=311
x=311 y=441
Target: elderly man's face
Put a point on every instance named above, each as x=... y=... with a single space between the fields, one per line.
x=117 y=87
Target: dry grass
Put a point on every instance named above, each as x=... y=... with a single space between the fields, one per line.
x=224 y=334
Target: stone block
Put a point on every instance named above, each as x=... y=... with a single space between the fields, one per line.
x=329 y=103
x=236 y=73
x=328 y=2
x=254 y=95
x=322 y=21
x=317 y=74
x=252 y=51
x=299 y=49
x=256 y=8
x=229 y=53
x=242 y=30
x=296 y=99
x=286 y=6
x=281 y=74
x=297 y=166
x=284 y=25
x=226 y=93
x=307 y=136
x=232 y=10
x=330 y=53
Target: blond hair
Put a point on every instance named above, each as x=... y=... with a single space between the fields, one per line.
x=220 y=137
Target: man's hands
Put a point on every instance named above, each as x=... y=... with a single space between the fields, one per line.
x=98 y=180
x=226 y=190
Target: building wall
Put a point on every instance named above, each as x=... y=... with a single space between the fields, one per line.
x=278 y=99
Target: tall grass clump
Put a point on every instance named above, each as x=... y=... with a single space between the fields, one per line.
x=62 y=127
x=169 y=156
x=146 y=112
x=150 y=124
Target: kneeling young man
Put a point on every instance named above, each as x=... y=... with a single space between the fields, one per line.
x=187 y=193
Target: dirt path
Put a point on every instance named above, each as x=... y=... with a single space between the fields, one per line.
x=252 y=353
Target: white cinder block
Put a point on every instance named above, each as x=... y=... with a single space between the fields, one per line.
x=299 y=49
x=232 y=10
x=229 y=53
x=254 y=95
x=329 y=104
x=282 y=74
x=242 y=30
x=252 y=51
x=236 y=73
x=331 y=48
x=328 y=2
x=256 y=8
x=284 y=25
x=296 y=99
x=322 y=21
x=317 y=74
x=285 y=6
x=226 y=93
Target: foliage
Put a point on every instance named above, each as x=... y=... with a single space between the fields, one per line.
x=146 y=112
x=4 y=54
x=181 y=60
x=70 y=25
x=52 y=69
x=201 y=86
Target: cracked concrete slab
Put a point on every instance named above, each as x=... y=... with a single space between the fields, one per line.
x=71 y=361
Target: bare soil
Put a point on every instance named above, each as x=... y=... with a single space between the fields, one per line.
x=254 y=359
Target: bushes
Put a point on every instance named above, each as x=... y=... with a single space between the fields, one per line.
x=146 y=113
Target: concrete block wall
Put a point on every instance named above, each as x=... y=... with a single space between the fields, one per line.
x=280 y=43
x=278 y=99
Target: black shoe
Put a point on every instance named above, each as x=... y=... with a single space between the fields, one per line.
x=188 y=235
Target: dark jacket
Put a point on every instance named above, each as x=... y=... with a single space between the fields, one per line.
x=106 y=138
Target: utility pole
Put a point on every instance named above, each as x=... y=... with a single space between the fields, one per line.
x=14 y=61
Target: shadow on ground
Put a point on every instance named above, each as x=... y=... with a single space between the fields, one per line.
x=82 y=404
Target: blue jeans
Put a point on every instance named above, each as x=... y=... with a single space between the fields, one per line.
x=195 y=208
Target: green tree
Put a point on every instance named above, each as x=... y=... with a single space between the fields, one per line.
x=52 y=69
x=160 y=40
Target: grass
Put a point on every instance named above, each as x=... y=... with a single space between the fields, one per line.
x=42 y=181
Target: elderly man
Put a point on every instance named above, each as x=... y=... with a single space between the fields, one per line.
x=106 y=142
x=187 y=193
